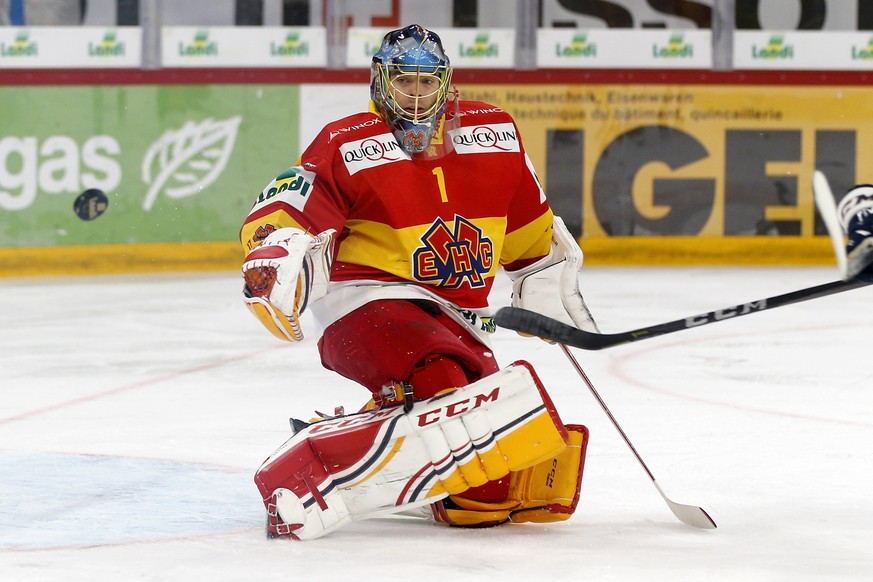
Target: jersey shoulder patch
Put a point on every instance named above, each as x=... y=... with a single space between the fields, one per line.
x=485 y=129
x=363 y=141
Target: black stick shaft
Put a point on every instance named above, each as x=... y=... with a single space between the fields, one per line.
x=532 y=323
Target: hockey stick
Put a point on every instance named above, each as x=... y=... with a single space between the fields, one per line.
x=535 y=324
x=687 y=514
x=827 y=209
x=531 y=323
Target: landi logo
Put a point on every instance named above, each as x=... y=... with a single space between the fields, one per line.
x=481 y=48
x=108 y=47
x=578 y=47
x=775 y=49
x=676 y=48
x=371 y=49
x=291 y=47
x=185 y=161
x=201 y=47
x=293 y=186
x=20 y=47
x=863 y=53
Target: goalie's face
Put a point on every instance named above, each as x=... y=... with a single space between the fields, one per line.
x=413 y=94
x=417 y=95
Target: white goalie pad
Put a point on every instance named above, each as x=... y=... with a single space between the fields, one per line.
x=551 y=285
x=373 y=463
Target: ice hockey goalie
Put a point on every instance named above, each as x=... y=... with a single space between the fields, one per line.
x=390 y=230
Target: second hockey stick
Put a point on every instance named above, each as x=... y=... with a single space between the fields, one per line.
x=827 y=209
x=531 y=323
x=535 y=324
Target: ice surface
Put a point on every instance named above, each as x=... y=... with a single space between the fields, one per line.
x=134 y=411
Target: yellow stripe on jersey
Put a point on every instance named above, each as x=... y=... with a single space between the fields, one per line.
x=391 y=250
x=517 y=244
x=251 y=238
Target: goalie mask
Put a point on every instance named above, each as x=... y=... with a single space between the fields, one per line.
x=409 y=81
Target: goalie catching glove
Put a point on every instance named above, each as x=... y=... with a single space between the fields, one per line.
x=550 y=286
x=286 y=273
x=855 y=213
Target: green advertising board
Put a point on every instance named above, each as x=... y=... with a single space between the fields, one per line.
x=178 y=163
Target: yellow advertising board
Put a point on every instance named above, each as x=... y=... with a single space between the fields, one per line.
x=725 y=161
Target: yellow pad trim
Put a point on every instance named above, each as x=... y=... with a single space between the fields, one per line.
x=455 y=482
x=279 y=326
x=534 y=492
x=469 y=518
x=474 y=505
x=494 y=463
x=473 y=472
x=538 y=515
x=553 y=482
x=532 y=443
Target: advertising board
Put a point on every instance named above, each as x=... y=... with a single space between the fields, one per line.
x=181 y=164
x=176 y=163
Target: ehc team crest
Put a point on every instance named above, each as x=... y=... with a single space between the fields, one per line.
x=451 y=256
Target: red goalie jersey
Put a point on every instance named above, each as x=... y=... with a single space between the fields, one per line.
x=434 y=225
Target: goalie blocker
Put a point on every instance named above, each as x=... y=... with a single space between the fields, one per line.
x=385 y=461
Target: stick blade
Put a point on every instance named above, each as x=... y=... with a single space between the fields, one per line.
x=688 y=514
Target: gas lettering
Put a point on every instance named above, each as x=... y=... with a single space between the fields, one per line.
x=57 y=165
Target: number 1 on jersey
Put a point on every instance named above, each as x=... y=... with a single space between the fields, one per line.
x=441 y=182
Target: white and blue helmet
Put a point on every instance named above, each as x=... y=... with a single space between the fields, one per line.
x=417 y=53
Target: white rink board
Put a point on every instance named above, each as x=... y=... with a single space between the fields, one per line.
x=467 y=48
x=70 y=47
x=244 y=46
x=621 y=48
x=800 y=50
